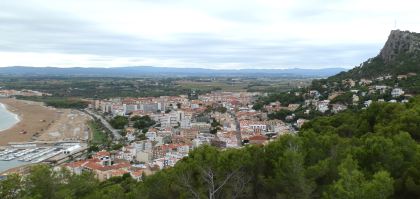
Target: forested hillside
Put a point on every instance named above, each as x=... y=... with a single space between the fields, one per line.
x=371 y=153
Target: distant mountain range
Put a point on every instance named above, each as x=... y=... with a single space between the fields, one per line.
x=137 y=71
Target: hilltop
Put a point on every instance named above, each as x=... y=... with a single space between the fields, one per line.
x=396 y=66
x=399 y=56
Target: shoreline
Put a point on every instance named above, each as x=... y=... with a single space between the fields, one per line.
x=13 y=112
x=16 y=169
x=34 y=120
x=38 y=122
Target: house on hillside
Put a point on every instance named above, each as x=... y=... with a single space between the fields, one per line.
x=338 y=107
x=258 y=140
x=102 y=165
x=396 y=92
x=401 y=77
x=322 y=106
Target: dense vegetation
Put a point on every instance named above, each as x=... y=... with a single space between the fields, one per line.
x=58 y=102
x=410 y=85
x=368 y=69
x=142 y=122
x=119 y=122
x=372 y=153
x=94 y=87
x=280 y=115
x=99 y=133
x=107 y=87
x=284 y=98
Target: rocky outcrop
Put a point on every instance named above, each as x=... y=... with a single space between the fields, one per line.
x=400 y=42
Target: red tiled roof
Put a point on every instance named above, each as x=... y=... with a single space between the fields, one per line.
x=118 y=172
x=94 y=166
x=103 y=153
x=76 y=164
x=169 y=146
x=137 y=173
x=258 y=137
x=120 y=165
x=97 y=166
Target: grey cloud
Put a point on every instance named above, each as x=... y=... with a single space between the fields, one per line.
x=276 y=54
x=24 y=29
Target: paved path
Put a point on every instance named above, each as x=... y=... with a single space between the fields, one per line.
x=115 y=132
x=238 y=128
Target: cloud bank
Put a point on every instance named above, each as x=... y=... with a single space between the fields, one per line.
x=228 y=34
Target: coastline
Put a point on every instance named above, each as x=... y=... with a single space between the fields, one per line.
x=14 y=168
x=38 y=122
x=34 y=120
x=12 y=111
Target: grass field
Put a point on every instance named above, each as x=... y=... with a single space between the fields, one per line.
x=98 y=136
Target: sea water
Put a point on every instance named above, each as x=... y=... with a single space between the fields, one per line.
x=6 y=165
x=7 y=118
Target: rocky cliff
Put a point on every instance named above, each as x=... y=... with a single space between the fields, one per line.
x=400 y=42
x=400 y=55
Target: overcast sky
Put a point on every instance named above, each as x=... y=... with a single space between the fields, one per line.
x=221 y=34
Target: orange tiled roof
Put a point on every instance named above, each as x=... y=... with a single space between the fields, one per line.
x=137 y=173
x=103 y=153
x=97 y=166
x=258 y=138
x=76 y=164
x=118 y=172
x=94 y=166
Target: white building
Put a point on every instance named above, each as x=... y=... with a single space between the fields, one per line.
x=322 y=106
x=396 y=92
x=338 y=107
x=129 y=108
x=186 y=123
x=151 y=136
x=367 y=103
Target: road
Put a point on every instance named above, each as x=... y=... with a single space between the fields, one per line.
x=115 y=132
x=238 y=128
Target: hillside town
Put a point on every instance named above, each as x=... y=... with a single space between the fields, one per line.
x=362 y=92
x=153 y=133
x=159 y=131
x=179 y=124
x=351 y=135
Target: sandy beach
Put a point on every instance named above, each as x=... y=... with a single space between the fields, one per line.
x=38 y=122
x=34 y=119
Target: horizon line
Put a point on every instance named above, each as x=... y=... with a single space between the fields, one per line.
x=175 y=67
